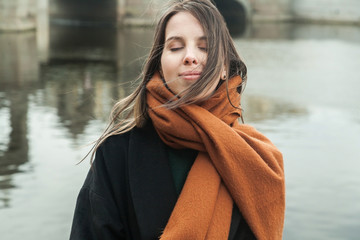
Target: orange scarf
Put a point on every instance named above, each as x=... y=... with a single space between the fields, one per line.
x=235 y=164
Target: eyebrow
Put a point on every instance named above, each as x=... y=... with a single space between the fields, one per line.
x=202 y=38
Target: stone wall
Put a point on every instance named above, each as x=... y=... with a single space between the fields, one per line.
x=139 y=12
x=326 y=10
x=271 y=10
x=341 y=11
x=21 y=14
x=17 y=15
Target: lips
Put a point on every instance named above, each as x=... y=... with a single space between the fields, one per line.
x=190 y=75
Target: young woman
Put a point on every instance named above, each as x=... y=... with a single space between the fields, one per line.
x=175 y=163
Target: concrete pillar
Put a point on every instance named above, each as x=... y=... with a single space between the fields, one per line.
x=120 y=10
x=139 y=12
x=17 y=15
x=42 y=33
x=18 y=60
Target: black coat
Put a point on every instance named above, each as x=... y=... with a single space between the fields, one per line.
x=129 y=192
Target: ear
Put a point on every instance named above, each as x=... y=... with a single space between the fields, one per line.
x=223 y=74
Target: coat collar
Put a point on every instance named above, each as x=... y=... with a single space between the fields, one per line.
x=151 y=183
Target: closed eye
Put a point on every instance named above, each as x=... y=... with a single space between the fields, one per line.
x=175 y=49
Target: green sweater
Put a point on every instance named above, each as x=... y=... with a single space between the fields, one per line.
x=180 y=161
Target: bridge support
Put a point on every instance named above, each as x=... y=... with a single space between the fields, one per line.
x=271 y=10
x=138 y=12
x=17 y=15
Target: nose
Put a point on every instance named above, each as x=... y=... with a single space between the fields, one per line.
x=190 y=58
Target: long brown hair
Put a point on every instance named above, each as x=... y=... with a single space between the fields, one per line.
x=132 y=111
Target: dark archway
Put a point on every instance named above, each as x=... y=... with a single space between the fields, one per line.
x=84 y=12
x=234 y=14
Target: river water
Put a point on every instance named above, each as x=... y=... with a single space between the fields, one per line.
x=302 y=92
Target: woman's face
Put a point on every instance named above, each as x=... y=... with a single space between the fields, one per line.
x=184 y=54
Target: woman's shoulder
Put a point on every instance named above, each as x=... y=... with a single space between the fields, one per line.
x=115 y=141
x=114 y=153
x=121 y=142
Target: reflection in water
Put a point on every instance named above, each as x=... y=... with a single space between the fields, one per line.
x=17 y=149
x=90 y=68
x=292 y=31
x=260 y=108
x=18 y=72
x=75 y=90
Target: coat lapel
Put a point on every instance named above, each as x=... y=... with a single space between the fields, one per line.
x=151 y=184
